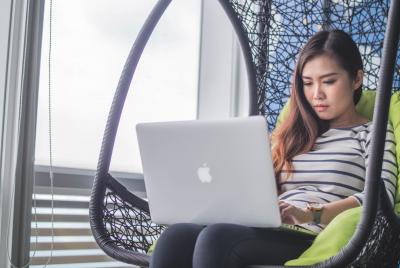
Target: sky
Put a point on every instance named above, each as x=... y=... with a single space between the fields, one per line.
x=91 y=40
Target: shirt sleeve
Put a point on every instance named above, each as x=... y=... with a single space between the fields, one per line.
x=389 y=165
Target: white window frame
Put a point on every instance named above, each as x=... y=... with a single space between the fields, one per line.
x=223 y=88
x=19 y=72
x=5 y=16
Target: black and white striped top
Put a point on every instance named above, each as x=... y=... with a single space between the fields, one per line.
x=335 y=169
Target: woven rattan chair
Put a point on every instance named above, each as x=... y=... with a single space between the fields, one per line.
x=271 y=34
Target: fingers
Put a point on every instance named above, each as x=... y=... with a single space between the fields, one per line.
x=286 y=211
x=283 y=204
x=289 y=220
x=291 y=214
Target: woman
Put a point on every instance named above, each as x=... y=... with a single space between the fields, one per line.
x=320 y=155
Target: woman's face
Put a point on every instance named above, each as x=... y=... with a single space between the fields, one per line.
x=329 y=90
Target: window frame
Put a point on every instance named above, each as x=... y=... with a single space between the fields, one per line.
x=226 y=94
x=21 y=78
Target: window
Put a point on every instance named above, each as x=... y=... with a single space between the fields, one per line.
x=90 y=43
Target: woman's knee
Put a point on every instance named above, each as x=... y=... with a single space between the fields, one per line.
x=223 y=234
x=175 y=246
x=214 y=246
x=181 y=231
x=215 y=234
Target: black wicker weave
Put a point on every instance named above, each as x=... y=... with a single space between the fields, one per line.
x=128 y=225
x=271 y=34
x=382 y=248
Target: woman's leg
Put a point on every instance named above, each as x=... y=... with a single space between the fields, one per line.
x=234 y=246
x=174 y=248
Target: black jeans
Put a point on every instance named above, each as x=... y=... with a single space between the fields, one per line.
x=226 y=245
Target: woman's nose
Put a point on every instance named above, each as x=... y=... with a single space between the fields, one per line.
x=318 y=93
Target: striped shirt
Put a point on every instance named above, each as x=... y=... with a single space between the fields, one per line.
x=335 y=169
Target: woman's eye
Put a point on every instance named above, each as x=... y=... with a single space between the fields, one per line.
x=329 y=82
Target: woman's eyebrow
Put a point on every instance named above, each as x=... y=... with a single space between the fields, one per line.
x=322 y=76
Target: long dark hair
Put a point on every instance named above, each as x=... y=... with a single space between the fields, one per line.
x=298 y=132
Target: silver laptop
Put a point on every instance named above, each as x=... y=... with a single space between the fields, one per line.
x=209 y=172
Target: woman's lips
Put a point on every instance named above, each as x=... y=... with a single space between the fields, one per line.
x=321 y=108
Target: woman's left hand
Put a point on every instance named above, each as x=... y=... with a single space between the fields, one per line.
x=294 y=215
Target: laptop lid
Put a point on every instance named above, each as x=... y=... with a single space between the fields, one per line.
x=209 y=172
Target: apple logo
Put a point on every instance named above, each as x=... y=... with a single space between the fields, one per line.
x=204 y=173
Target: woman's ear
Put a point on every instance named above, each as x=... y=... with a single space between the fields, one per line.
x=358 y=79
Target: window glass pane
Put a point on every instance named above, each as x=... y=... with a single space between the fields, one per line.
x=91 y=41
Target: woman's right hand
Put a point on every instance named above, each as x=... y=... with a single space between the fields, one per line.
x=294 y=215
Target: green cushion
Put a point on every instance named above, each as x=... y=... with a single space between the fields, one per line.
x=334 y=237
x=331 y=239
x=394 y=117
x=151 y=248
x=341 y=229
